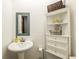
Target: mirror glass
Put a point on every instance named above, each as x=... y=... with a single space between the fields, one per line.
x=22 y=24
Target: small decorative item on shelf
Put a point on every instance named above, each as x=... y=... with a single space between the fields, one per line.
x=57 y=30
x=50 y=31
x=57 y=20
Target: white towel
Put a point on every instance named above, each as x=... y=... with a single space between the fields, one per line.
x=20 y=23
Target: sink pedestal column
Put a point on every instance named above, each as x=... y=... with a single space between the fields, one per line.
x=21 y=55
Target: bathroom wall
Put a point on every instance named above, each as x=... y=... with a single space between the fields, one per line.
x=37 y=19
x=7 y=34
x=72 y=5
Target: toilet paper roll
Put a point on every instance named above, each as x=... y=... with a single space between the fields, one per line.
x=40 y=53
x=40 y=49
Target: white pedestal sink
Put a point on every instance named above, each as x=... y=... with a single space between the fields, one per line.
x=20 y=48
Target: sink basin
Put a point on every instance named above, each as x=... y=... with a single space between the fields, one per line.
x=20 y=47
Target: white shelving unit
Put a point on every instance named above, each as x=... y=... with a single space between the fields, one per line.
x=58 y=34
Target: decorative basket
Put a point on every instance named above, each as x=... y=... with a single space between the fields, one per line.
x=55 y=6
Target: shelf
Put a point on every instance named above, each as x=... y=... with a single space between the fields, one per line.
x=57 y=35
x=57 y=54
x=63 y=10
x=57 y=23
x=59 y=41
x=57 y=47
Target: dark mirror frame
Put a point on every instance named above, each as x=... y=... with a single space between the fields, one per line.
x=27 y=24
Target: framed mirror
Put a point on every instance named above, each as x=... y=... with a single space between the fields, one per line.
x=22 y=24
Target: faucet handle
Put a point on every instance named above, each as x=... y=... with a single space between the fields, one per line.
x=22 y=40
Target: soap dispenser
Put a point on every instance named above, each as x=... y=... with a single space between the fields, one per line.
x=17 y=40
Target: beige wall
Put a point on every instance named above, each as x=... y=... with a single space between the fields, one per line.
x=37 y=19
x=7 y=34
x=72 y=4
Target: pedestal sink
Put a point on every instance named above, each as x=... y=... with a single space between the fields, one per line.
x=20 y=48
